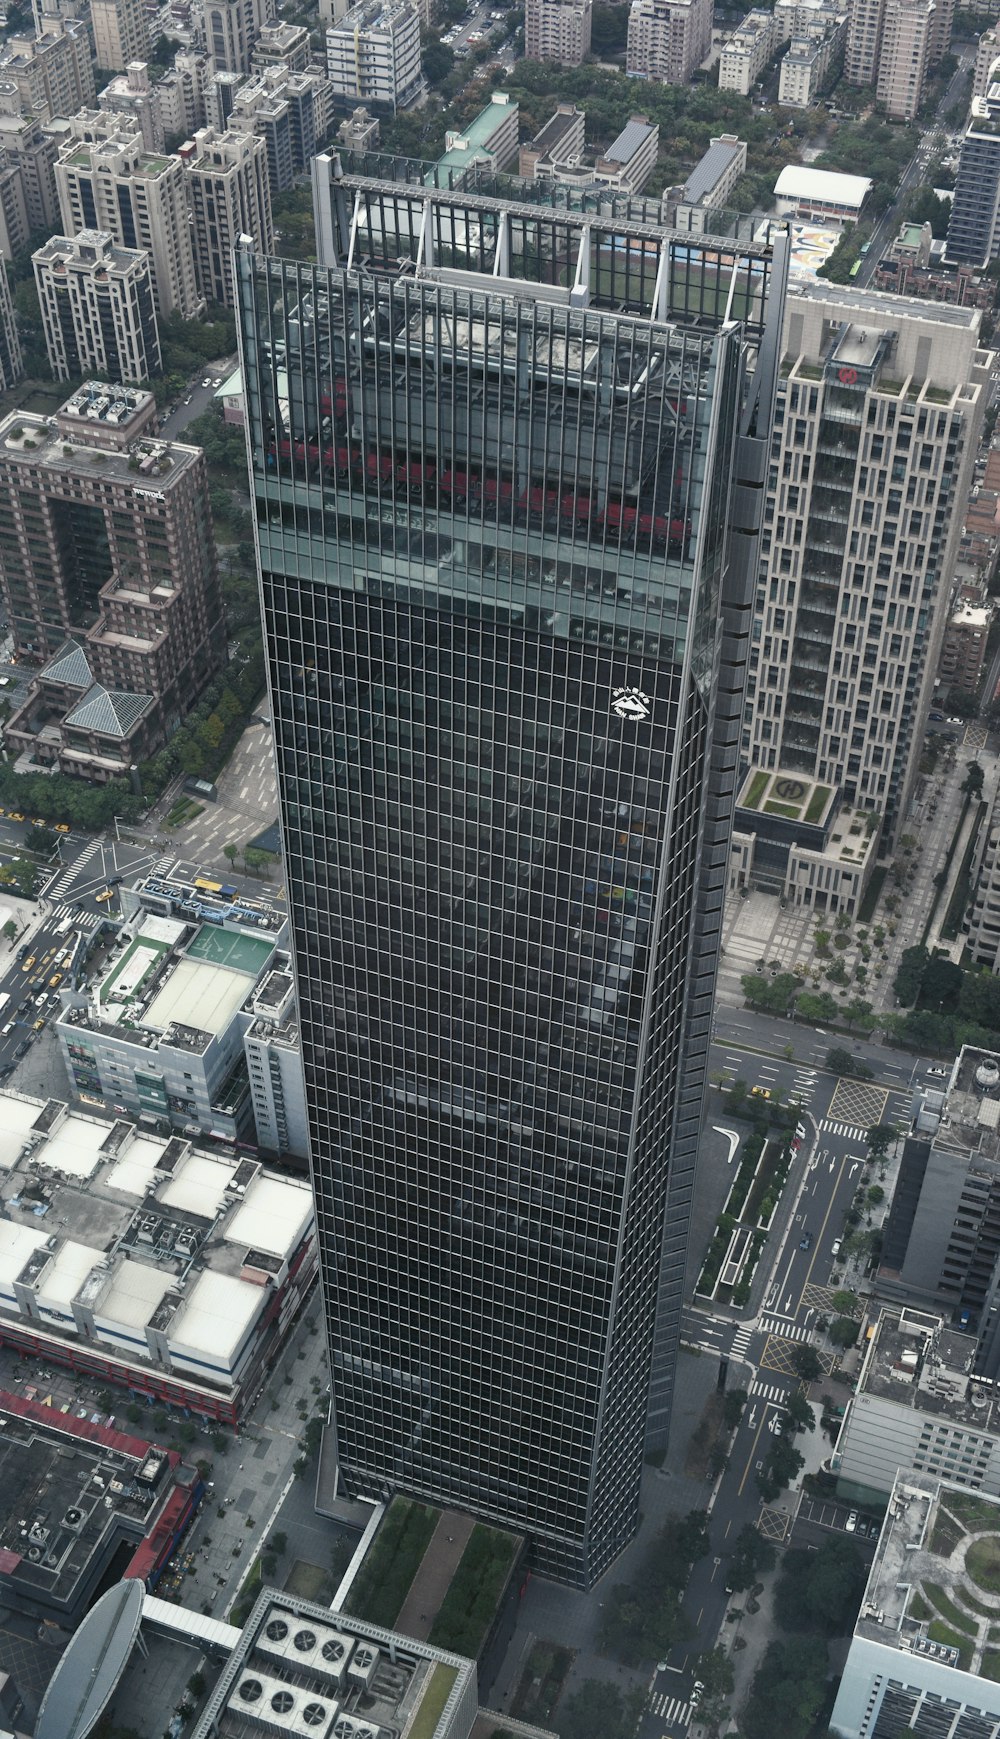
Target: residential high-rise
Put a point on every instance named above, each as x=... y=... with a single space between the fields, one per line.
x=133 y=93
x=987 y=57
x=668 y=39
x=11 y=361
x=864 y=38
x=507 y=534
x=229 y=196
x=557 y=30
x=106 y=179
x=97 y=308
x=905 y=55
x=974 y=224
x=231 y=29
x=880 y=403
x=746 y=53
x=289 y=110
x=373 y=54
x=121 y=33
x=53 y=72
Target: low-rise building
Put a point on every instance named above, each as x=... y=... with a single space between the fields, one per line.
x=917 y=1408
x=710 y=185
x=627 y=164
x=963 y=651
x=281 y=44
x=746 y=53
x=910 y=1669
x=810 y=64
x=557 y=145
x=175 y=1272
x=373 y=55
x=557 y=30
x=941 y=1242
x=488 y=142
x=360 y=132
x=160 y=1034
x=96 y=301
x=88 y=1493
x=820 y=194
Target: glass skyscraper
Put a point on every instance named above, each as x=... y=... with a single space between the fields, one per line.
x=508 y=461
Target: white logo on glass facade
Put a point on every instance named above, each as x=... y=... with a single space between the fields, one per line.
x=631 y=703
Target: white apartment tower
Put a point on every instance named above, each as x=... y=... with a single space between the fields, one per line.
x=53 y=72
x=106 y=180
x=668 y=39
x=121 y=33
x=557 y=30
x=231 y=29
x=878 y=413
x=229 y=196
x=373 y=54
x=97 y=308
x=907 y=32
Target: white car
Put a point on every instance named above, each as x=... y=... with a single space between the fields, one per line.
x=697 y=1692
x=851 y=1522
x=207 y=381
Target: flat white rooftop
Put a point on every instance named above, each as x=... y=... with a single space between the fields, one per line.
x=796 y=181
x=198 y=1186
x=132 y=1175
x=18 y=1116
x=133 y=1295
x=271 y=1218
x=214 y=1318
x=199 y=995
x=63 y=1278
x=73 y=1148
x=16 y=1244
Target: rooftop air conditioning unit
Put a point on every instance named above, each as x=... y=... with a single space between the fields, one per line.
x=364 y=1663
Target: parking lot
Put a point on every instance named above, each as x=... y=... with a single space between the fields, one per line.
x=836 y=1517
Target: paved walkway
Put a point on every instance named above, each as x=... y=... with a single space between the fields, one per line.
x=430 y=1585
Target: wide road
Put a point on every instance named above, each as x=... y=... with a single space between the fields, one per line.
x=761 y=1346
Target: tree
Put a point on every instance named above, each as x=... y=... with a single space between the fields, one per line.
x=845 y=1303
x=642 y=1619
x=941 y=983
x=972 y=784
x=9 y=930
x=781 y=1464
x=752 y=1554
x=822 y=1589
x=880 y=1137
x=278 y=1542
x=231 y=852
x=909 y=978
x=875 y=1194
x=788 y=1689
x=732 y=1407
x=813 y=1006
x=715 y=1670
x=844 y=1331
x=770 y=994
x=43 y=840
x=438 y=58
x=839 y=1061
x=807 y=1362
x=600 y=1711
x=255 y=860
x=798 y=1412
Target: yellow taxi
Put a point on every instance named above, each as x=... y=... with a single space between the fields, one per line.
x=760 y=1092
x=55 y=980
x=14 y=816
x=38 y=1026
x=60 y=827
x=38 y=822
x=105 y=894
x=29 y=963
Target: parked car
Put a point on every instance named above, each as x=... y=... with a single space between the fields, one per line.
x=851 y=1522
x=836 y=1245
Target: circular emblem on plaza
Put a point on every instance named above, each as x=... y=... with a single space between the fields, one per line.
x=791 y=790
x=631 y=703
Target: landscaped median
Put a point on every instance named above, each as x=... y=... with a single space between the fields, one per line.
x=741 y=1233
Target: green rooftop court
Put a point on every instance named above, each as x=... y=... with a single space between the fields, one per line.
x=226 y=948
x=793 y=796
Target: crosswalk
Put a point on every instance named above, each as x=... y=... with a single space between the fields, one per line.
x=70 y=877
x=83 y=920
x=741 y=1340
x=785 y=1330
x=851 y=1130
x=673 y=1710
x=768 y=1392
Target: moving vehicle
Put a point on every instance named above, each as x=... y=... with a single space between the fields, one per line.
x=29 y=963
x=760 y=1092
x=105 y=894
x=805 y=1242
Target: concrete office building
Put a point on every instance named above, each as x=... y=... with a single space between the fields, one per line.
x=160 y=1035
x=106 y=534
x=942 y=1237
x=107 y=180
x=373 y=55
x=899 y=1676
x=917 y=1408
x=53 y=72
x=746 y=53
x=557 y=30
x=175 y=1271
x=668 y=39
x=96 y=301
x=880 y=403
x=121 y=33
x=229 y=196
x=709 y=187
x=436 y=1067
x=905 y=56
x=273 y=1051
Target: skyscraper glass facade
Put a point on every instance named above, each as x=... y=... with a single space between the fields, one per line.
x=507 y=471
